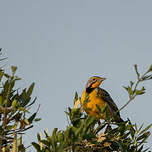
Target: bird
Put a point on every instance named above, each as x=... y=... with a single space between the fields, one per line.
x=98 y=98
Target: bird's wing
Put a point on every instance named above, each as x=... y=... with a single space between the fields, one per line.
x=106 y=97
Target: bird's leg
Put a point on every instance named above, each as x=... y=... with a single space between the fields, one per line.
x=100 y=126
x=99 y=123
x=108 y=127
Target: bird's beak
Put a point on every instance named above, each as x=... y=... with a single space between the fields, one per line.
x=102 y=79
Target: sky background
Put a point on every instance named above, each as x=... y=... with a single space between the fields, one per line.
x=59 y=44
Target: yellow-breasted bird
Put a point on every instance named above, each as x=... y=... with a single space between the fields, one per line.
x=100 y=97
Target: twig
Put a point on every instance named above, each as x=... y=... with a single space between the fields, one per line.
x=131 y=98
x=5 y=108
x=67 y=119
x=38 y=108
x=19 y=130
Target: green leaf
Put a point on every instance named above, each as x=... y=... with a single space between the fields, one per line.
x=1 y=74
x=144 y=135
x=131 y=83
x=9 y=127
x=36 y=146
x=141 y=91
x=23 y=109
x=7 y=76
x=46 y=133
x=54 y=132
x=132 y=132
x=30 y=119
x=144 y=139
x=38 y=137
x=129 y=90
x=45 y=142
x=31 y=102
x=147 y=77
x=75 y=97
x=4 y=102
x=14 y=103
x=148 y=127
x=89 y=136
x=17 y=78
x=37 y=119
x=137 y=73
x=72 y=133
x=3 y=59
x=60 y=136
x=30 y=90
x=150 y=69
x=54 y=138
x=14 y=68
x=140 y=148
x=1 y=100
x=140 y=128
x=21 y=148
x=126 y=88
x=146 y=150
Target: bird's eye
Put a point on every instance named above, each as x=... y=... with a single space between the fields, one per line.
x=93 y=79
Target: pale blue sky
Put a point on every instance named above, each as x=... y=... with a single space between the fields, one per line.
x=59 y=44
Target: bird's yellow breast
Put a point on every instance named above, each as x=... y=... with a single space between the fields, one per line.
x=90 y=106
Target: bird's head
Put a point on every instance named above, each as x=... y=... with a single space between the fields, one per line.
x=94 y=82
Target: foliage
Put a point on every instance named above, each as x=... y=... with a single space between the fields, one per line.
x=83 y=133
x=15 y=117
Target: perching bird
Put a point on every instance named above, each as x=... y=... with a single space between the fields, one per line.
x=98 y=97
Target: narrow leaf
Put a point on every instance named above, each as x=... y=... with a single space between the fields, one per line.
x=145 y=135
x=130 y=91
x=148 y=127
x=150 y=69
x=36 y=146
x=37 y=119
x=75 y=97
x=137 y=73
x=14 y=68
x=30 y=119
x=23 y=109
x=14 y=103
x=30 y=90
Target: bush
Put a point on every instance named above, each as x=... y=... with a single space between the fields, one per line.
x=84 y=134
x=15 y=117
